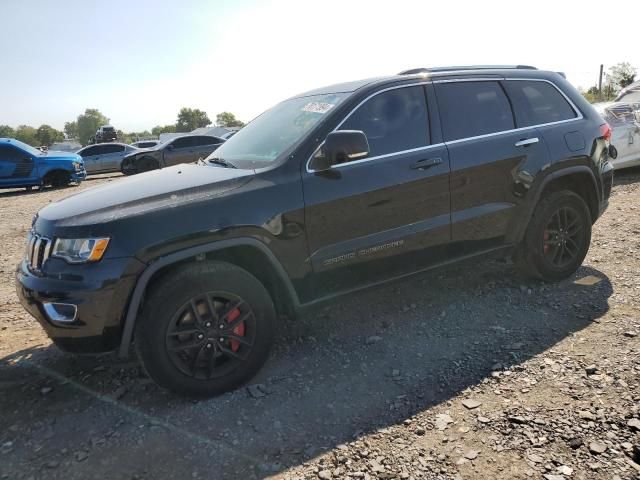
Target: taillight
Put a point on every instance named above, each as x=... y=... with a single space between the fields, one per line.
x=605 y=131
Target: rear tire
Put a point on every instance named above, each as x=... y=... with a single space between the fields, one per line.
x=205 y=329
x=557 y=238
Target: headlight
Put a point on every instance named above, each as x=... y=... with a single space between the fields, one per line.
x=77 y=166
x=80 y=250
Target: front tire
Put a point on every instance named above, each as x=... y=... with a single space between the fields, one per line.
x=147 y=164
x=57 y=179
x=557 y=238
x=205 y=329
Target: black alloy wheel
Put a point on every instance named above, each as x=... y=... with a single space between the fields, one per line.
x=211 y=335
x=563 y=237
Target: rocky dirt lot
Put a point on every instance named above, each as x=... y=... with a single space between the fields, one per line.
x=465 y=373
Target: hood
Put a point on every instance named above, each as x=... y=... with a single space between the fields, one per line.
x=60 y=155
x=158 y=189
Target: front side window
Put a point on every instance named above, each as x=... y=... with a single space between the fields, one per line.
x=393 y=121
x=113 y=148
x=182 y=142
x=537 y=103
x=89 y=151
x=470 y=109
x=266 y=138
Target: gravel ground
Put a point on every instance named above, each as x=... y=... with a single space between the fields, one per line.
x=463 y=373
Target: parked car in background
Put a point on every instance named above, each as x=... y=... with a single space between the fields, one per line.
x=624 y=119
x=184 y=149
x=630 y=94
x=21 y=165
x=105 y=157
x=106 y=133
x=145 y=143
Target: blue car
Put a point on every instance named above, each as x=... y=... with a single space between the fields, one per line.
x=21 y=165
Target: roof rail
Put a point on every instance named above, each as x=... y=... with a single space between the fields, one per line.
x=466 y=67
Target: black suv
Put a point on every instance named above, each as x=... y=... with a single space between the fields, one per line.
x=106 y=133
x=326 y=193
x=182 y=149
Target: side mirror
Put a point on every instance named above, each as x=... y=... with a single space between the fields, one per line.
x=170 y=147
x=340 y=147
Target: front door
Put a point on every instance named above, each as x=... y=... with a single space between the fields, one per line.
x=179 y=151
x=91 y=156
x=380 y=216
x=112 y=157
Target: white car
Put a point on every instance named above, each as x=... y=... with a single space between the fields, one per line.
x=104 y=157
x=624 y=119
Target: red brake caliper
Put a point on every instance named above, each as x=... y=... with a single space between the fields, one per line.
x=546 y=237
x=239 y=330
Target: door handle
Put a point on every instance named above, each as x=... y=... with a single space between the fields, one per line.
x=527 y=141
x=426 y=163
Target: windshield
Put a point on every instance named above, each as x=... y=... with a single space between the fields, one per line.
x=263 y=140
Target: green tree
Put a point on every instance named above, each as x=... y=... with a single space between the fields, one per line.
x=7 y=132
x=28 y=135
x=190 y=119
x=158 y=129
x=88 y=123
x=71 y=129
x=46 y=135
x=228 y=119
x=621 y=75
x=592 y=95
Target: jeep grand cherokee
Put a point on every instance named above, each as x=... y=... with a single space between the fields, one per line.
x=326 y=193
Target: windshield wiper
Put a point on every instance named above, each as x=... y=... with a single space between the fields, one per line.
x=221 y=162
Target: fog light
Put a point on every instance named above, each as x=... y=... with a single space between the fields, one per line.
x=60 y=312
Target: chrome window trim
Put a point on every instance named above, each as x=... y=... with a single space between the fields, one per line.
x=576 y=110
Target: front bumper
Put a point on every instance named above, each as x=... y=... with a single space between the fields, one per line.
x=79 y=176
x=100 y=293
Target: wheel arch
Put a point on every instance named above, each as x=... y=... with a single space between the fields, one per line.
x=247 y=253
x=579 y=179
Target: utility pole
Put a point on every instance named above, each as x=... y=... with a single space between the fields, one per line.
x=600 y=82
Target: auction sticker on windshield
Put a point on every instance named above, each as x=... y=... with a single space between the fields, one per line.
x=318 y=107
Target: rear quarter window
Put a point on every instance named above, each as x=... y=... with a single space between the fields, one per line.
x=537 y=103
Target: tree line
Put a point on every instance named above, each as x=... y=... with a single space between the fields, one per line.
x=615 y=79
x=84 y=127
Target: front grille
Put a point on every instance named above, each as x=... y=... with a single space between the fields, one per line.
x=38 y=251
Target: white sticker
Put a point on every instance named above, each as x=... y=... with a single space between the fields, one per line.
x=318 y=107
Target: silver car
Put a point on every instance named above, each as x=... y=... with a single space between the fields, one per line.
x=104 y=157
x=624 y=119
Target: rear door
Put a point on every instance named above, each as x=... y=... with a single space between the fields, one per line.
x=487 y=155
x=112 y=158
x=16 y=166
x=383 y=215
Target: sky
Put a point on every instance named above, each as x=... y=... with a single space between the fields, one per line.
x=140 y=61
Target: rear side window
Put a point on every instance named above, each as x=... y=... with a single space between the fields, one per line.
x=11 y=155
x=393 y=121
x=537 y=103
x=470 y=109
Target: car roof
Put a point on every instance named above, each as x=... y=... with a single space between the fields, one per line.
x=106 y=143
x=433 y=73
